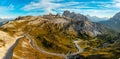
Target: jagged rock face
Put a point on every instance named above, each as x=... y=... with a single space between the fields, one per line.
x=82 y=25
x=99 y=28
x=88 y=28
x=75 y=17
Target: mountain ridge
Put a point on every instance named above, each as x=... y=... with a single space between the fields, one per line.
x=96 y=19
x=113 y=23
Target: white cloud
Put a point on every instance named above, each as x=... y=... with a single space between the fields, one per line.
x=47 y=5
x=117 y=3
x=117 y=0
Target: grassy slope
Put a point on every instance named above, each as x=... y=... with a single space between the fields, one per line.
x=93 y=50
x=49 y=38
x=54 y=41
x=24 y=50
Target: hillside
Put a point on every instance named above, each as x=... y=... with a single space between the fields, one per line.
x=54 y=36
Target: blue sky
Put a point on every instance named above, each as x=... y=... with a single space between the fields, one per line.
x=100 y=8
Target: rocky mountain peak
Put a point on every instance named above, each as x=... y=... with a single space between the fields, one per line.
x=74 y=16
x=83 y=25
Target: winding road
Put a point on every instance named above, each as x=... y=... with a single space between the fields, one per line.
x=40 y=50
x=80 y=50
x=10 y=51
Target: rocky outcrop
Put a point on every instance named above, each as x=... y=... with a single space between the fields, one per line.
x=99 y=28
x=74 y=16
x=83 y=26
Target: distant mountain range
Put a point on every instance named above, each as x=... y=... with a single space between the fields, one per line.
x=96 y=19
x=113 y=23
x=2 y=21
